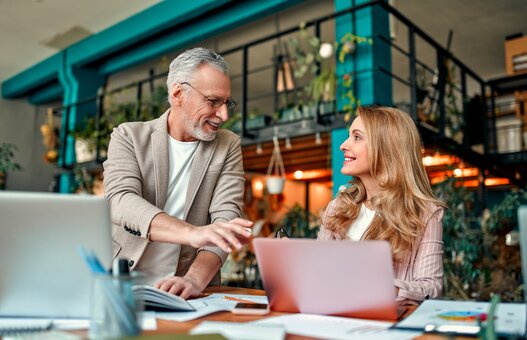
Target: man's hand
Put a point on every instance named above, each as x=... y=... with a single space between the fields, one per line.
x=226 y=235
x=185 y=286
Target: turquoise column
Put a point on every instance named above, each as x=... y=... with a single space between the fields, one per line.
x=79 y=84
x=370 y=85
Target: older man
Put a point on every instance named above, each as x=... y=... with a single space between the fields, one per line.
x=175 y=184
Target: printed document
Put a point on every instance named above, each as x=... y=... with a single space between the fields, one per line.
x=510 y=318
x=333 y=327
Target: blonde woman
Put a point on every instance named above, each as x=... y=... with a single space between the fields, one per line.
x=390 y=198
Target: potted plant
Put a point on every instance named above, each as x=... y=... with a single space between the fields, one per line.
x=478 y=261
x=275 y=179
x=7 y=163
x=92 y=133
x=300 y=223
x=317 y=60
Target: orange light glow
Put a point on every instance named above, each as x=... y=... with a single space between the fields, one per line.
x=473 y=183
x=257 y=187
x=298 y=174
x=439 y=160
x=310 y=174
x=496 y=181
x=427 y=161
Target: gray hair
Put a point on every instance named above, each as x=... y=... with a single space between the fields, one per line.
x=183 y=67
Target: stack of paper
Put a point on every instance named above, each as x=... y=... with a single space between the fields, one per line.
x=510 y=318
x=241 y=330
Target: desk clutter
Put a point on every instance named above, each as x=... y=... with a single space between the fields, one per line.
x=466 y=317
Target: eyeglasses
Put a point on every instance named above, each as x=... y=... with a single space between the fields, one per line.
x=215 y=103
x=280 y=233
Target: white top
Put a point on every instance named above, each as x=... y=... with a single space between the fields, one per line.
x=161 y=259
x=361 y=224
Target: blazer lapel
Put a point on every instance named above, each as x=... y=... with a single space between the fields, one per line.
x=160 y=158
x=200 y=164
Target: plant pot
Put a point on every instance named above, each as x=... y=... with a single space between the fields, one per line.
x=84 y=151
x=326 y=107
x=2 y=180
x=275 y=184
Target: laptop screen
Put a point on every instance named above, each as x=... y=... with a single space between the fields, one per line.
x=352 y=279
x=522 y=223
x=41 y=272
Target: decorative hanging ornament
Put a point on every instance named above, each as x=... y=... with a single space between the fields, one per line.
x=326 y=50
x=275 y=171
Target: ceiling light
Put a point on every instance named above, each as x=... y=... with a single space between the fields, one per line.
x=427 y=161
x=298 y=174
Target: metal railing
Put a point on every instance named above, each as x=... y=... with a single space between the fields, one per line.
x=444 y=96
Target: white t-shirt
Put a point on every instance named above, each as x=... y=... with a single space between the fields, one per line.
x=361 y=224
x=160 y=259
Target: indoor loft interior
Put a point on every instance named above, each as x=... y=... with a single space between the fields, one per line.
x=298 y=73
x=288 y=90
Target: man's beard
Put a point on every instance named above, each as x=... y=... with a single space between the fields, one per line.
x=196 y=131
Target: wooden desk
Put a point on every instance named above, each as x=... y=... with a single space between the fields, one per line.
x=173 y=327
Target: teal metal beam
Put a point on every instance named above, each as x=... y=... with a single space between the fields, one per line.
x=243 y=12
x=49 y=93
x=140 y=35
x=141 y=26
x=38 y=75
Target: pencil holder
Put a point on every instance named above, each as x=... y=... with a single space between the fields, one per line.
x=115 y=313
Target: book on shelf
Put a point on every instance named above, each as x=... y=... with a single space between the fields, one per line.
x=161 y=301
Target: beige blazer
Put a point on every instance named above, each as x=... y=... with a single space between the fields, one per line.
x=136 y=185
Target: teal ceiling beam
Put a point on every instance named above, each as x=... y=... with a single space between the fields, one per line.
x=208 y=26
x=34 y=77
x=47 y=94
x=139 y=27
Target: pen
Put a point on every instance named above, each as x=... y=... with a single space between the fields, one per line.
x=237 y=300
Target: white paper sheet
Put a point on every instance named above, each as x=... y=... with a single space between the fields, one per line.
x=332 y=327
x=241 y=330
x=222 y=298
x=148 y=322
x=510 y=317
x=208 y=305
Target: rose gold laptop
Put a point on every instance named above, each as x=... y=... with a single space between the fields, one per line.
x=353 y=279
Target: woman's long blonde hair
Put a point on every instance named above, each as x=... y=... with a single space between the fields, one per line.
x=394 y=148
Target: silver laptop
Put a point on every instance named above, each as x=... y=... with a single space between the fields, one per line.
x=41 y=272
x=353 y=279
x=522 y=224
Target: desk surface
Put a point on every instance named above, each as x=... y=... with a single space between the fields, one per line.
x=173 y=327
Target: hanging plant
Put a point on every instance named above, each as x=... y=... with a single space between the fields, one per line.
x=348 y=44
x=315 y=58
x=89 y=133
x=275 y=171
x=351 y=102
x=7 y=163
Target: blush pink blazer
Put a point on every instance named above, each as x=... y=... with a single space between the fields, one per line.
x=420 y=275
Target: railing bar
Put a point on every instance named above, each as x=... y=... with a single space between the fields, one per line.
x=413 y=74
